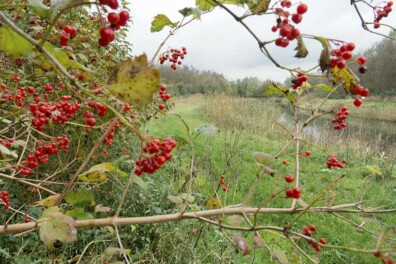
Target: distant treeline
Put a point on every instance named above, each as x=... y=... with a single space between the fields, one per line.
x=380 y=77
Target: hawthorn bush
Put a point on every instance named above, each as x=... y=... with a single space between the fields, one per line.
x=72 y=91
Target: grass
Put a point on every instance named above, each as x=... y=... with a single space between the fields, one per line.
x=247 y=125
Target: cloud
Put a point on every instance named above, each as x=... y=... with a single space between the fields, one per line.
x=221 y=44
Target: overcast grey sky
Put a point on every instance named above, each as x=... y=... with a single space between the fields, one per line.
x=219 y=43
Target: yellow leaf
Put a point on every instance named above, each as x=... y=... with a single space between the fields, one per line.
x=213 y=203
x=48 y=202
x=97 y=173
x=346 y=77
x=134 y=81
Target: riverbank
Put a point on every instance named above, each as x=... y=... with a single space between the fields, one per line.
x=372 y=110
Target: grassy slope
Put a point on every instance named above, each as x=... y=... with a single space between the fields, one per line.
x=211 y=162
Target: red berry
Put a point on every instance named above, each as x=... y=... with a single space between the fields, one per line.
x=289 y=178
x=289 y=193
x=377 y=254
x=70 y=30
x=113 y=18
x=307 y=153
x=361 y=60
x=284 y=162
x=365 y=92
x=124 y=16
x=296 y=193
x=107 y=33
x=297 y=18
x=312 y=227
x=346 y=55
x=161 y=107
x=322 y=240
x=302 y=9
x=358 y=102
x=64 y=38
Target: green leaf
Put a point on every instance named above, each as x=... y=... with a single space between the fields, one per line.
x=64 y=4
x=160 y=21
x=280 y=257
x=111 y=251
x=40 y=9
x=134 y=81
x=59 y=228
x=175 y=199
x=80 y=198
x=49 y=213
x=301 y=49
x=6 y=152
x=205 y=5
x=276 y=89
x=139 y=181
x=191 y=11
x=190 y=199
x=79 y=214
x=207 y=129
x=14 y=44
x=264 y=158
x=63 y=59
x=258 y=7
x=48 y=202
x=324 y=59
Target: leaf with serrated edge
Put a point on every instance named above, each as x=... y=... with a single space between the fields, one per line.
x=134 y=81
x=160 y=22
x=80 y=198
x=79 y=214
x=258 y=7
x=59 y=228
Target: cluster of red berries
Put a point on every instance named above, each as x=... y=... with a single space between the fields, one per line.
x=7 y=95
x=110 y=136
x=333 y=162
x=287 y=32
x=293 y=193
x=69 y=33
x=223 y=183
x=175 y=56
x=341 y=55
x=4 y=196
x=116 y=20
x=164 y=96
x=89 y=118
x=340 y=117
x=110 y=3
x=7 y=143
x=363 y=92
x=27 y=218
x=307 y=231
x=42 y=154
x=158 y=153
x=59 y=112
x=297 y=82
x=382 y=12
x=101 y=108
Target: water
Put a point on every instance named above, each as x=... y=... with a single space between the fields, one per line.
x=382 y=134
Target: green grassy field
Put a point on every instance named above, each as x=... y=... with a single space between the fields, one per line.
x=247 y=126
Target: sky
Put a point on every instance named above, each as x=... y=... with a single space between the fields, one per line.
x=218 y=43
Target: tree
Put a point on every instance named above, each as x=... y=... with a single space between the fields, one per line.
x=70 y=99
